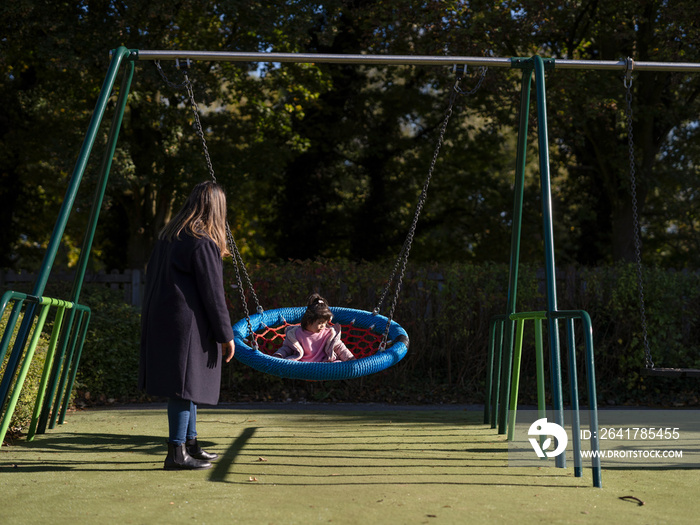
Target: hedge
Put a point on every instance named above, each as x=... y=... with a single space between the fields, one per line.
x=446 y=309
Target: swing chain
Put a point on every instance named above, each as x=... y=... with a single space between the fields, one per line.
x=168 y=82
x=649 y=363
x=187 y=84
x=198 y=125
x=402 y=259
x=460 y=74
x=239 y=265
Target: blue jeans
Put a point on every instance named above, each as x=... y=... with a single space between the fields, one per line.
x=182 y=420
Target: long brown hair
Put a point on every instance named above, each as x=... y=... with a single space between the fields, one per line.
x=203 y=215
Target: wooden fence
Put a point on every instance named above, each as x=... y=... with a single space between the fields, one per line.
x=131 y=282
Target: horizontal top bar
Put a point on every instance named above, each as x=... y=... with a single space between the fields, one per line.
x=322 y=58
x=226 y=56
x=622 y=65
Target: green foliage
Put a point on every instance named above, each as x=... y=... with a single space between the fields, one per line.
x=446 y=309
x=328 y=160
x=109 y=362
x=587 y=123
x=672 y=311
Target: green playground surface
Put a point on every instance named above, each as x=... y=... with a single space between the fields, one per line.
x=295 y=463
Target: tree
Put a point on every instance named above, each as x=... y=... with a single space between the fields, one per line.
x=52 y=82
x=371 y=139
x=594 y=125
x=345 y=194
x=587 y=122
x=328 y=160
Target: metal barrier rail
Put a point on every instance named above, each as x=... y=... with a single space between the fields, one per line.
x=55 y=364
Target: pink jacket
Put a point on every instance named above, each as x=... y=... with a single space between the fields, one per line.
x=334 y=348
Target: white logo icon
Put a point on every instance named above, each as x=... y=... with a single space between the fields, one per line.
x=542 y=428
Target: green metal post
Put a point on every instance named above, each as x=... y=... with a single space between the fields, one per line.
x=539 y=365
x=496 y=390
x=489 y=372
x=492 y=368
x=17 y=349
x=50 y=353
x=515 y=381
x=20 y=339
x=592 y=395
x=548 y=230
x=573 y=386
x=79 y=170
x=519 y=188
x=590 y=375
x=55 y=384
x=11 y=321
x=79 y=339
x=77 y=176
x=520 y=318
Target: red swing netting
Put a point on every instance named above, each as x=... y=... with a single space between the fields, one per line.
x=360 y=341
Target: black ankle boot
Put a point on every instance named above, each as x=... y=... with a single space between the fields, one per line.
x=179 y=459
x=194 y=450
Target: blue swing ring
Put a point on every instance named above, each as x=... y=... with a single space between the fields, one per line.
x=320 y=371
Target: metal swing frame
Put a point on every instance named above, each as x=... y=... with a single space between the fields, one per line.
x=124 y=58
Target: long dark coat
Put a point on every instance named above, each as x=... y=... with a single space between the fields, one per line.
x=183 y=320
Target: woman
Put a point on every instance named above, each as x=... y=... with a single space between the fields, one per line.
x=185 y=320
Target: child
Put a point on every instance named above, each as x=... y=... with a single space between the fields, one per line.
x=314 y=340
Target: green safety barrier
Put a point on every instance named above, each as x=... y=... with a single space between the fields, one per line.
x=16 y=374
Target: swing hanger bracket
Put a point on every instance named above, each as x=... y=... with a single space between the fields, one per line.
x=183 y=63
x=460 y=70
x=629 y=68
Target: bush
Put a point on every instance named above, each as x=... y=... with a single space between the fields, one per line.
x=446 y=309
x=109 y=364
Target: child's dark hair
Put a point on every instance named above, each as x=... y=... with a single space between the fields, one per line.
x=317 y=308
